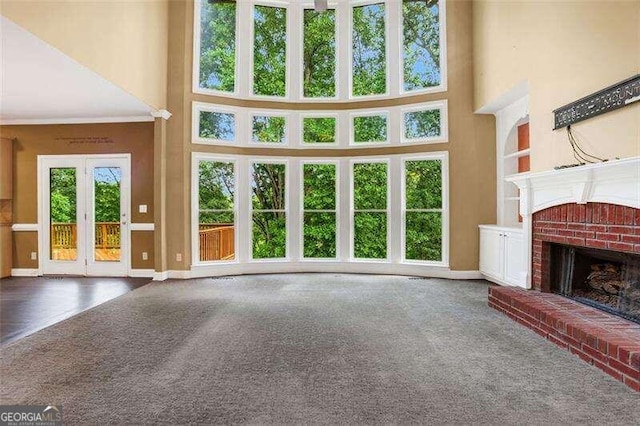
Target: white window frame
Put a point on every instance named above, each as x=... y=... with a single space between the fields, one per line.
x=197 y=27
x=287 y=204
x=443 y=107
x=198 y=108
x=360 y=3
x=442 y=21
x=195 y=207
x=303 y=144
x=444 y=210
x=269 y=113
x=288 y=48
x=336 y=210
x=243 y=87
x=352 y=210
x=368 y=113
x=310 y=5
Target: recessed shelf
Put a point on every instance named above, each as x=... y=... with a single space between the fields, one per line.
x=518 y=154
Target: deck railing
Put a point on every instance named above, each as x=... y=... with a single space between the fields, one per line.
x=65 y=235
x=216 y=242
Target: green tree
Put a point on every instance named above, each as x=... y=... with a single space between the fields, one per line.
x=421 y=44
x=270 y=51
x=218 y=45
x=319 y=79
x=63 y=195
x=369 y=73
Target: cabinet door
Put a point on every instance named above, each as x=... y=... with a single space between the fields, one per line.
x=491 y=252
x=515 y=268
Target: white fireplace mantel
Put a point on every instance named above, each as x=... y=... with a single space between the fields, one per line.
x=615 y=182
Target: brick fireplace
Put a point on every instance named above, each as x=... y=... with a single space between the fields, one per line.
x=582 y=226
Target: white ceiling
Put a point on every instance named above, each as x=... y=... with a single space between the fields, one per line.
x=40 y=84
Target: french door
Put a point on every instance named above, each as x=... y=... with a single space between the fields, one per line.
x=84 y=214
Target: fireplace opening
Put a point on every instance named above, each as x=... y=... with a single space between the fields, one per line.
x=604 y=279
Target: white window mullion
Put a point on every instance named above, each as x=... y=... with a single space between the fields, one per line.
x=294 y=219
x=394 y=209
x=394 y=47
x=244 y=48
x=345 y=211
x=243 y=210
x=294 y=51
x=343 y=41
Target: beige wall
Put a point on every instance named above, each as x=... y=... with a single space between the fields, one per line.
x=134 y=138
x=471 y=144
x=565 y=50
x=124 y=41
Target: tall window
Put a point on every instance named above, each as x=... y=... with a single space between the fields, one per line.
x=423 y=210
x=216 y=213
x=368 y=50
x=269 y=51
x=370 y=191
x=421 y=44
x=319 y=210
x=319 y=56
x=217 y=45
x=268 y=200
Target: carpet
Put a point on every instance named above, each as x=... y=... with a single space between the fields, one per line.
x=307 y=348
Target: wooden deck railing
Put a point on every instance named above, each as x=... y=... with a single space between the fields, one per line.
x=216 y=242
x=65 y=235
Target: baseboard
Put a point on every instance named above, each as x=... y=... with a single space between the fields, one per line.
x=161 y=276
x=142 y=273
x=23 y=272
x=465 y=275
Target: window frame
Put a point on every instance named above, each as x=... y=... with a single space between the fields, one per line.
x=198 y=108
x=368 y=113
x=359 y=3
x=197 y=158
x=310 y=5
x=444 y=210
x=442 y=106
x=352 y=210
x=197 y=42
x=442 y=21
x=287 y=210
x=319 y=114
x=336 y=210
x=269 y=113
x=288 y=48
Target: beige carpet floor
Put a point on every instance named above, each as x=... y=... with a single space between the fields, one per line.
x=308 y=348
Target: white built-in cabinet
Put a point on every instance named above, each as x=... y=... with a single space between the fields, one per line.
x=502 y=255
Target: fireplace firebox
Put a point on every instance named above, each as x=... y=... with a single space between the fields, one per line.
x=608 y=280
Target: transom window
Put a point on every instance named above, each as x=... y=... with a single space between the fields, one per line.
x=287 y=50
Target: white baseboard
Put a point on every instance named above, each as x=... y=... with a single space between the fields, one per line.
x=142 y=273
x=23 y=272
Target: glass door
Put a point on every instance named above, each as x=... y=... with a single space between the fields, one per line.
x=84 y=210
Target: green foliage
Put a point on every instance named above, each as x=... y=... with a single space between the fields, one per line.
x=268 y=129
x=422 y=124
x=319 y=186
x=421 y=44
x=370 y=128
x=63 y=195
x=217 y=125
x=423 y=184
x=319 y=129
x=319 y=235
x=369 y=50
x=370 y=235
x=270 y=51
x=370 y=186
x=424 y=236
x=218 y=46
x=270 y=227
x=216 y=186
x=319 y=53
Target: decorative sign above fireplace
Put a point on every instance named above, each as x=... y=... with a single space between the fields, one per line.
x=613 y=97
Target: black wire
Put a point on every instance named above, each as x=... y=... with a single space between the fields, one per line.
x=574 y=144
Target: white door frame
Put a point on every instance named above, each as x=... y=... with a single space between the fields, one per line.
x=84 y=206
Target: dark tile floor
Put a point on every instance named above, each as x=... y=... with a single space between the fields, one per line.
x=29 y=304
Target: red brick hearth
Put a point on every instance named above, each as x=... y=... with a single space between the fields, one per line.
x=595 y=225
x=608 y=342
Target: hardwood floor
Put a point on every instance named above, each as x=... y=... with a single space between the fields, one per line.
x=30 y=304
